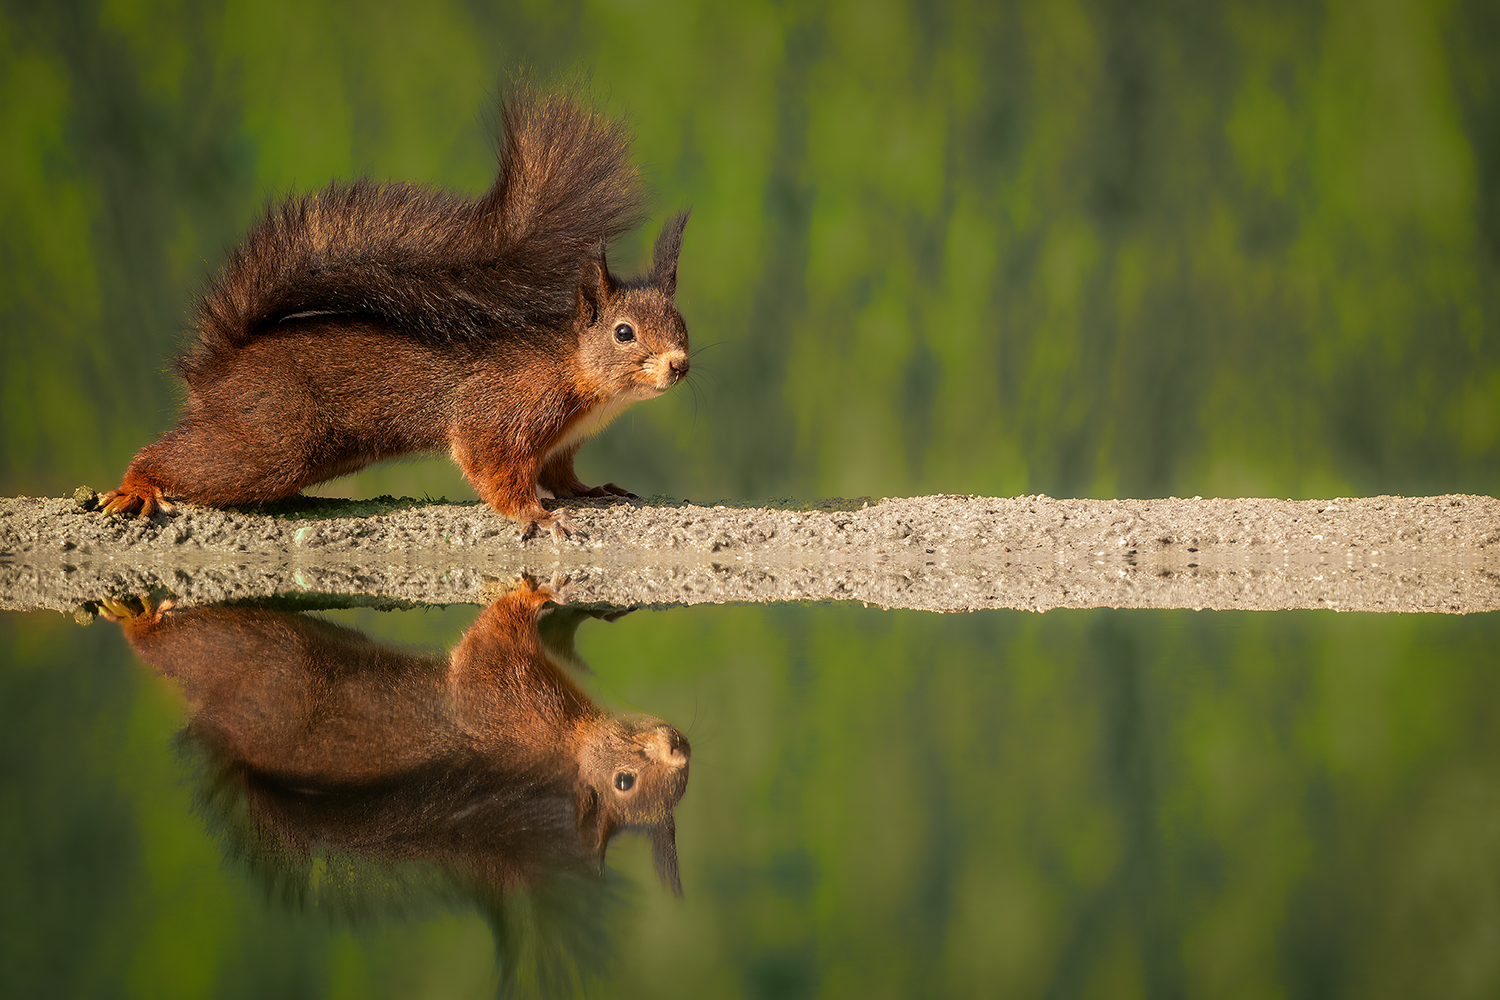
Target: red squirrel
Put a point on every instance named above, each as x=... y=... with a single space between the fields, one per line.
x=490 y=761
x=368 y=321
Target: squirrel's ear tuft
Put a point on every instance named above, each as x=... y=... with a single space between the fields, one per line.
x=664 y=259
x=664 y=853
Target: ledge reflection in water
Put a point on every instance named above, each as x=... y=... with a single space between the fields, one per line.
x=368 y=780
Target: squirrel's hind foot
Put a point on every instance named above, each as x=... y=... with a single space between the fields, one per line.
x=601 y=492
x=597 y=492
x=136 y=496
x=134 y=612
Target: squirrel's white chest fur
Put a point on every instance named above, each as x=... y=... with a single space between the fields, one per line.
x=590 y=423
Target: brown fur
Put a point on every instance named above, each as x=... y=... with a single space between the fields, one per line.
x=365 y=322
x=491 y=760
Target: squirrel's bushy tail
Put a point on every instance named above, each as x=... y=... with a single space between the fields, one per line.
x=566 y=182
x=433 y=264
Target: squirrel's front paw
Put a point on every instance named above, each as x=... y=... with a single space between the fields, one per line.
x=558 y=522
x=527 y=588
x=560 y=591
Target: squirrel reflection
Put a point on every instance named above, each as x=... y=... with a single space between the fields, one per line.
x=491 y=763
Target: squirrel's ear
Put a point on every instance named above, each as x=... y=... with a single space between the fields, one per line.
x=604 y=831
x=595 y=288
x=595 y=826
x=664 y=259
x=664 y=853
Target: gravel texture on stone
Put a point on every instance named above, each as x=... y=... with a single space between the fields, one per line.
x=937 y=553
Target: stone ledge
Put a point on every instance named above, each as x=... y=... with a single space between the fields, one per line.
x=940 y=553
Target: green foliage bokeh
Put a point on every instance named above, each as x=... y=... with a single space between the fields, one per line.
x=1079 y=248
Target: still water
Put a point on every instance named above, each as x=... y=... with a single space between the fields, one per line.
x=1080 y=803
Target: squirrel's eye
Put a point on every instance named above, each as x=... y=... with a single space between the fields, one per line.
x=624 y=334
x=624 y=780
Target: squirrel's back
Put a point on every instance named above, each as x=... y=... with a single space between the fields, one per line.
x=436 y=265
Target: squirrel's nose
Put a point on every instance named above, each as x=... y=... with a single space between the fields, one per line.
x=669 y=746
x=679 y=365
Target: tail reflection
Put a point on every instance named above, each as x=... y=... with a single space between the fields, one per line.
x=341 y=767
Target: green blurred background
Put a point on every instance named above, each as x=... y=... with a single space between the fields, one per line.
x=1085 y=249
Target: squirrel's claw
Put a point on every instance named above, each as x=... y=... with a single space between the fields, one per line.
x=610 y=489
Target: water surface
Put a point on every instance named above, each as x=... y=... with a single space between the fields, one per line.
x=881 y=804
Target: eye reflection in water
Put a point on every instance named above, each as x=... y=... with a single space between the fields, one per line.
x=364 y=778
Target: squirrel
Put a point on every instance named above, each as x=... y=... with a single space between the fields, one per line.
x=368 y=321
x=490 y=761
